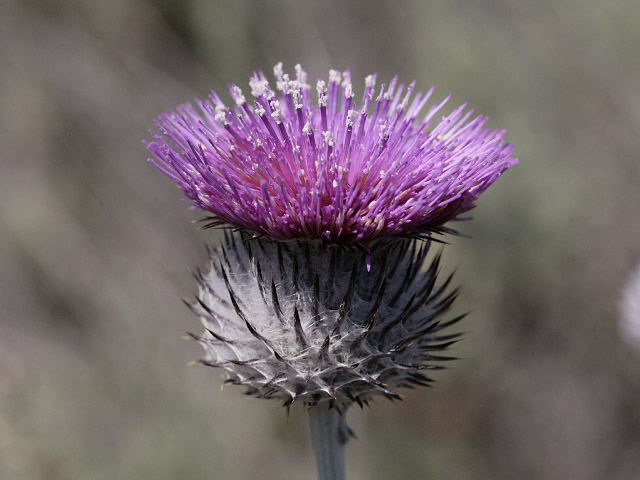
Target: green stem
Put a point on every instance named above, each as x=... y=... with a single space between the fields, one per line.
x=329 y=434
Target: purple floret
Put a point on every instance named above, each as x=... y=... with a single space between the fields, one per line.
x=285 y=168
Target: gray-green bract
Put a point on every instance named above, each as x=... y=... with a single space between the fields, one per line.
x=293 y=322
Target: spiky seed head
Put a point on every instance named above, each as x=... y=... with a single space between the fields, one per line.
x=295 y=321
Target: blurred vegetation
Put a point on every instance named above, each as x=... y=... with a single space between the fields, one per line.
x=94 y=382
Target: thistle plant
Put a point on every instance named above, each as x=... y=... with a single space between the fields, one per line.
x=326 y=292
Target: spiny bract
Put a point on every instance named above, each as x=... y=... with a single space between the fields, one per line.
x=291 y=321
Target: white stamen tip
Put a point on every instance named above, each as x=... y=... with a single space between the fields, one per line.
x=276 y=115
x=301 y=76
x=351 y=117
x=284 y=84
x=321 y=88
x=277 y=71
x=296 y=97
x=370 y=81
x=260 y=111
x=348 y=90
x=237 y=95
x=270 y=93
x=335 y=77
x=221 y=115
x=346 y=78
x=258 y=87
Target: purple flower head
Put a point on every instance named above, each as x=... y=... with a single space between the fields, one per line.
x=286 y=166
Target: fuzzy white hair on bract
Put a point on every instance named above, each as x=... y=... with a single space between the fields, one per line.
x=298 y=321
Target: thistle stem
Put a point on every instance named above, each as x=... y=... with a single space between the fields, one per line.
x=329 y=434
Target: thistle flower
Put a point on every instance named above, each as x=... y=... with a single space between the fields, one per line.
x=348 y=175
x=320 y=296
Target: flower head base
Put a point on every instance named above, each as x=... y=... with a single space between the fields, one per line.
x=293 y=322
x=286 y=167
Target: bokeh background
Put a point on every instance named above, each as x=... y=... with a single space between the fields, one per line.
x=95 y=245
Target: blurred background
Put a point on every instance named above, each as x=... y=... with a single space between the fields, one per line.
x=95 y=245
